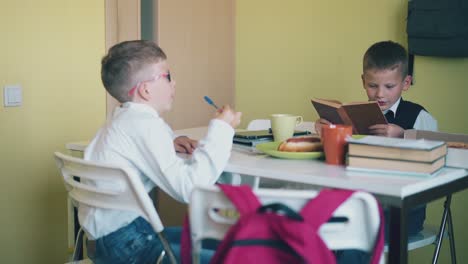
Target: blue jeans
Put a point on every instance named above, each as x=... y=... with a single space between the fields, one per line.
x=136 y=243
x=416 y=219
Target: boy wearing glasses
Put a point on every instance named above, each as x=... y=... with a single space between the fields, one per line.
x=136 y=73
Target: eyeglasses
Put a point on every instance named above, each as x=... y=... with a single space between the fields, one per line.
x=155 y=78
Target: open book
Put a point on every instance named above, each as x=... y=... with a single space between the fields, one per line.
x=359 y=115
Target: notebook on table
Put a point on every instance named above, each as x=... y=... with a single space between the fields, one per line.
x=254 y=137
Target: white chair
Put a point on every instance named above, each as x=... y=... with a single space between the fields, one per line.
x=259 y=124
x=426 y=237
x=360 y=232
x=430 y=235
x=262 y=124
x=307 y=126
x=129 y=195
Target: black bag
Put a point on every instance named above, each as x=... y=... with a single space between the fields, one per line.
x=438 y=28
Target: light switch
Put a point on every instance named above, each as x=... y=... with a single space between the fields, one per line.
x=12 y=95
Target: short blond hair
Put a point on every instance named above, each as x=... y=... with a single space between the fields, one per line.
x=122 y=63
x=386 y=55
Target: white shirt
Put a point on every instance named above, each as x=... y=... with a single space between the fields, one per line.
x=137 y=138
x=424 y=121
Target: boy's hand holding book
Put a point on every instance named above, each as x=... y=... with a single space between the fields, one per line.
x=387 y=130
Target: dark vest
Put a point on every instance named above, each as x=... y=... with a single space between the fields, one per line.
x=406 y=114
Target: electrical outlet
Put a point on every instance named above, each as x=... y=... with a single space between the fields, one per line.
x=12 y=95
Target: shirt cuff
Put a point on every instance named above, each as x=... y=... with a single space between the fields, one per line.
x=220 y=129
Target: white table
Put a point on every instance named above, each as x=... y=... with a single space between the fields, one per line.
x=400 y=193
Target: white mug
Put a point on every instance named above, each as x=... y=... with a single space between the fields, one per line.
x=283 y=125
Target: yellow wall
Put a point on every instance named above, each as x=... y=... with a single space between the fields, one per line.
x=287 y=52
x=291 y=51
x=52 y=49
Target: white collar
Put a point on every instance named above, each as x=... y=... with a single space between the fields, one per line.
x=138 y=107
x=394 y=107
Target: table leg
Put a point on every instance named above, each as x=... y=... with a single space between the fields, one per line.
x=230 y=178
x=398 y=238
x=71 y=233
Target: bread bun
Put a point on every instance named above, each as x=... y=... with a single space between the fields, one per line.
x=301 y=144
x=460 y=145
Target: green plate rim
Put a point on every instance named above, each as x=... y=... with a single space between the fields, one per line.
x=270 y=148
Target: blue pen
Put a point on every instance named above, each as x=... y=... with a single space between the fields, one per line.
x=209 y=101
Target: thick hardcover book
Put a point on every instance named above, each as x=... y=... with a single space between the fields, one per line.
x=400 y=166
x=397 y=149
x=359 y=115
x=403 y=143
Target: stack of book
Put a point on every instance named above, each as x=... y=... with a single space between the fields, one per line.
x=395 y=155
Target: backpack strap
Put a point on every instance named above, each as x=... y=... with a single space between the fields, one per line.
x=321 y=208
x=316 y=212
x=242 y=197
x=245 y=202
x=186 y=243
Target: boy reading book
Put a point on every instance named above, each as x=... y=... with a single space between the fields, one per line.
x=384 y=78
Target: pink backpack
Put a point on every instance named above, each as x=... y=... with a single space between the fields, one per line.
x=262 y=236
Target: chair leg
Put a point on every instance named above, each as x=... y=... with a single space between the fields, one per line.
x=161 y=257
x=236 y=179
x=453 y=254
x=167 y=248
x=78 y=250
x=446 y=216
x=256 y=183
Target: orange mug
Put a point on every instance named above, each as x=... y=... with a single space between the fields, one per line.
x=334 y=143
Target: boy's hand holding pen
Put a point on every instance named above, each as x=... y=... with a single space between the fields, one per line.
x=226 y=113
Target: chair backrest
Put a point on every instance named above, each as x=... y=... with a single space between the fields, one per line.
x=259 y=124
x=123 y=190
x=307 y=126
x=212 y=214
x=262 y=124
x=107 y=186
